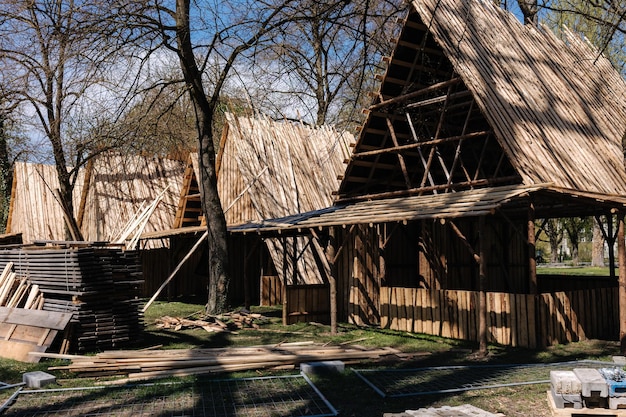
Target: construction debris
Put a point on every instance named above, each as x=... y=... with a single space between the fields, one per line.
x=465 y=410
x=152 y=364
x=212 y=324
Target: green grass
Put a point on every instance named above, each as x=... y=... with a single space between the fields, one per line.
x=346 y=391
x=575 y=270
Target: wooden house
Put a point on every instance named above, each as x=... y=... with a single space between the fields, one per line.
x=266 y=169
x=481 y=126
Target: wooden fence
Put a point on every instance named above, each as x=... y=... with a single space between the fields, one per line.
x=304 y=302
x=513 y=319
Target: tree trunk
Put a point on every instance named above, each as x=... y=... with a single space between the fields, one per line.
x=6 y=177
x=597 y=246
x=216 y=222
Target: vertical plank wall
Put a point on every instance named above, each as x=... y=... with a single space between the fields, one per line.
x=513 y=319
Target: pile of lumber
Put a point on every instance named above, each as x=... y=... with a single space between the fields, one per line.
x=100 y=286
x=18 y=292
x=152 y=364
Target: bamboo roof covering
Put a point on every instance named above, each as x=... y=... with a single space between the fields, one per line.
x=108 y=193
x=34 y=209
x=120 y=185
x=472 y=98
x=511 y=200
x=274 y=168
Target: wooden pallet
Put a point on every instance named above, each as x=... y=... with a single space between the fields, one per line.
x=23 y=331
x=572 y=412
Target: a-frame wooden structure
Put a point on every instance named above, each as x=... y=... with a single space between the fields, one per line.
x=481 y=125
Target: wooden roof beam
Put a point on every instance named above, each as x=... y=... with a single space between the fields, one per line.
x=473 y=135
x=405 y=173
x=422 y=49
x=391 y=61
x=421 y=190
x=415 y=94
x=440 y=99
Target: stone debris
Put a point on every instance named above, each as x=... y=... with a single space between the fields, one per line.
x=465 y=410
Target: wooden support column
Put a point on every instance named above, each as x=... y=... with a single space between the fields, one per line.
x=332 y=281
x=328 y=257
x=621 y=255
x=284 y=292
x=246 y=283
x=480 y=259
x=482 y=287
x=532 y=261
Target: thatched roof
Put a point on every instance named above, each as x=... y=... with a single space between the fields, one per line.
x=473 y=98
x=108 y=193
x=479 y=114
x=268 y=169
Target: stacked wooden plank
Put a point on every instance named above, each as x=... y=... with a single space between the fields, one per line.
x=17 y=292
x=99 y=286
x=151 y=364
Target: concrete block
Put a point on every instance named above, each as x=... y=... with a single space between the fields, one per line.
x=567 y=400
x=619 y=360
x=565 y=382
x=616 y=402
x=38 y=379
x=593 y=383
x=316 y=368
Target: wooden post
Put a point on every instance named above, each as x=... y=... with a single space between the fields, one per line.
x=246 y=280
x=284 y=294
x=332 y=281
x=482 y=288
x=532 y=261
x=621 y=254
x=610 y=240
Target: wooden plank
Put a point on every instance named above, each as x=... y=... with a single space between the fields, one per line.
x=419 y=311
x=384 y=307
x=20 y=350
x=35 y=318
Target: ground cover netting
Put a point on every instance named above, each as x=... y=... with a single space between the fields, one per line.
x=293 y=395
x=450 y=379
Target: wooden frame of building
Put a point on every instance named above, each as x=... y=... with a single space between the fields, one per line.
x=481 y=125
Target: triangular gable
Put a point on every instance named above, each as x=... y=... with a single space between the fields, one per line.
x=472 y=98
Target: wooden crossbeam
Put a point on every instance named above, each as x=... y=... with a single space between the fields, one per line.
x=414 y=94
x=433 y=142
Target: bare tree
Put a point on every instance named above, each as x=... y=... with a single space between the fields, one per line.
x=322 y=60
x=602 y=22
x=6 y=174
x=54 y=58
